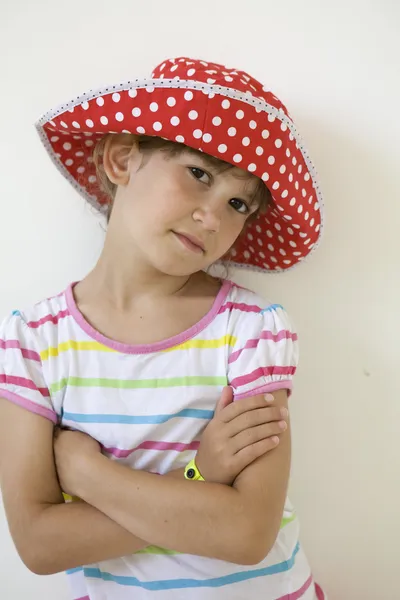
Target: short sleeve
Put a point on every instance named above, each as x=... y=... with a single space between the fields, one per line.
x=21 y=373
x=265 y=355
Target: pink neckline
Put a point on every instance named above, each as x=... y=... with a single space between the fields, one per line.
x=147 y=348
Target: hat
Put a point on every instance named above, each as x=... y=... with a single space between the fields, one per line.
x=221 y=111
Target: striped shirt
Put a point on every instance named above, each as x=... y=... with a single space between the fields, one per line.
x=147 y=405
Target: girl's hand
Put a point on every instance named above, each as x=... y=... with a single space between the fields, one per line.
x=239 y=433
x=71 y=448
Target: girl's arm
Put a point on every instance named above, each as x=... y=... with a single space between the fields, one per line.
x=238 y=524
x=50 y=536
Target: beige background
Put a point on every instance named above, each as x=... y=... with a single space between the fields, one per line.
x=336 y=65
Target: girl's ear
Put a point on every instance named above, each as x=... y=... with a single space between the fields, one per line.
x=121 y=156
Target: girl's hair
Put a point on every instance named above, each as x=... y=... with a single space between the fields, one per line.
x=261 y=194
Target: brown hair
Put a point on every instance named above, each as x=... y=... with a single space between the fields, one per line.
x=261 y=195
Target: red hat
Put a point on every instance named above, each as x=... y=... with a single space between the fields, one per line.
x=221 y=111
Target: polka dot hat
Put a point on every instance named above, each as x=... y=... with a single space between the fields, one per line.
x=212 y=108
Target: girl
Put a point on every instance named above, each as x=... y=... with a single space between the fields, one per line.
x=182 y=492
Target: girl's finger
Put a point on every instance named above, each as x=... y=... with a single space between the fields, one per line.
x=249 y=454
x=225 y=400
x=253 y=435
x=252 y=418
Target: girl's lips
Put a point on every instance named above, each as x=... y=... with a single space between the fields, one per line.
x=190 y=242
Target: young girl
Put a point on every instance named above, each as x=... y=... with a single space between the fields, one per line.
x=180 y=491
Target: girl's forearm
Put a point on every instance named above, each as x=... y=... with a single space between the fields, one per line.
x=193 y=517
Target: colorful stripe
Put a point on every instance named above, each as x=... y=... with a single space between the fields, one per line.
x=23 y=382
x=296 y=595
x=215 y=582
x=262 y=372
x=226 y=340
x=15 y=344
x=190 y=413
x=74 y=345
x=74 y=570
x=138 y=384
x=49 y=319
x=251 y=308
x=272 y=308
x=150 y=445
x=284 y=334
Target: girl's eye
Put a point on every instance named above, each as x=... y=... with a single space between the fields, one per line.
x=239 y=206
x=199 y=174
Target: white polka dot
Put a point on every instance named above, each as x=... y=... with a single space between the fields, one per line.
x=207 y=137
x=296 y=185
x=284 y=194
x=210 y=80
x=174 y=68
x=265 y=176
x=116 y=97
x=171 y=101
x=252 y=167
x=300 y=168
x=54 y=139
x=261 y=254
x=149 y=89
x=154 y=107
x=265 y=134
x=136 y=112
x=237 y=158
x=140 y=129
x=79 y=153
x=249 y=237
x=191 y=72
x=290 y=177
x=292 y=202
x=188 y=95
x=197 y=133
x=63 y=124
x=52 y=123
x=119 y=116
x=216 y=121
x=89 y=143
x=239 y=114
x=282 y=169
x=300 y=209
x=303 y=193
x=131 y=93
x=81 y=169
x=269 y=233
x=85 y=105
x=294 y=160
x=157 y=126
x=76 y=137
x=67 y=146
x=69 y=162
x=316 y=206
x=100 y=101
x=231 y=131
x=312 y=222
x=259 y=150
x=258 y=229
x=89 y=123
x=88 y=133
x=273 y=259
x=291 y=136
x=311 y=199
x=306 y=216
x=271 y=118
x=222 y=148
x=275 y=186
x=228 y=78
x=281 y=239
x=225 y=103
x=193 y=114
x=271 y=159
x=317 y=229
x=283 y=126
x=175 y=121
x=306 y=242
x=278 y=143
x=76 y=125
x=246 y=141
x=233 y=252
x=211 y=95
x=252 y=124
x=180 y=139
x=270 y=247
x=287 y=152
x=282 y=251
x=104 y=120
x=293 y=244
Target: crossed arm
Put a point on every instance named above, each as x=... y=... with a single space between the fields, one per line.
x=124 y=510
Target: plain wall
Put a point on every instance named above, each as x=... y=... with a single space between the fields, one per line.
x=336 y=66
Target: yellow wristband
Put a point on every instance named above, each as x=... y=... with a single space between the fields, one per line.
x=192 y=472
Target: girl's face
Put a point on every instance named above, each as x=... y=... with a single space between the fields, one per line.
x=179 y=212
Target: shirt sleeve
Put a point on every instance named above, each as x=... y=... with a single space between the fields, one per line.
x=265 y=355
x=21 y=373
